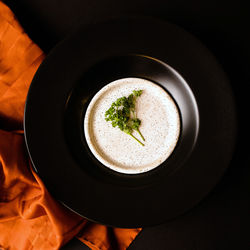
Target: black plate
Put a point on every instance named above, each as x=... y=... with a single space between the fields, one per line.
x=82 y=64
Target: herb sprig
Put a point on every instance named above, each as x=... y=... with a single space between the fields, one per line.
x=122 y=114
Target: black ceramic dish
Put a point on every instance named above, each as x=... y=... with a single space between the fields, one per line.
x=80 y=66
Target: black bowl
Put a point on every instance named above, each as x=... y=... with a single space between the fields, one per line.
x=115 y=68
x=82 y=64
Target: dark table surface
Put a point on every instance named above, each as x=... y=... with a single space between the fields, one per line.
x=222 y=220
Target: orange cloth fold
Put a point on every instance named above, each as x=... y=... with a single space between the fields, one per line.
x=29 y=217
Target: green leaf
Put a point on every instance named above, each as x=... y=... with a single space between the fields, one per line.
x=137 y=93
x=120 y=113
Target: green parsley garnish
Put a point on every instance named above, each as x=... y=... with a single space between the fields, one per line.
x=122 y=114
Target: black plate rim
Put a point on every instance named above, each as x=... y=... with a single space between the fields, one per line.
x=234 y=125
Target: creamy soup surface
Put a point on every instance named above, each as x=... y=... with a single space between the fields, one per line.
x=160 y=126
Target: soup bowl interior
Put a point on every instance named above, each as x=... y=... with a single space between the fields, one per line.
x=119 y=67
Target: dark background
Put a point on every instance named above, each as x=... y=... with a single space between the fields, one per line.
x=222 y=220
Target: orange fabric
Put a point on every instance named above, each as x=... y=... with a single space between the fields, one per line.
x=29 y=217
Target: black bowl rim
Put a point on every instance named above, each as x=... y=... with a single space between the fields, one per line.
x=224 y=123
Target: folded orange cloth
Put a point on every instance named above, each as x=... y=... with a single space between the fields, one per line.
x=29 y=217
